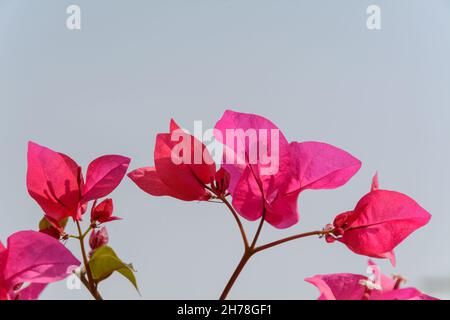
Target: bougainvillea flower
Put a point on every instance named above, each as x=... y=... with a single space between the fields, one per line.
x=56 y=181
x=249 y=141
x=299 y=166
x=341 y=286
x=32 y=258
x=98 y=238
x=103 y=212
x=348 y=286
x=221 y=182
x=315 y=166
x=183 y=167
x=381 y=220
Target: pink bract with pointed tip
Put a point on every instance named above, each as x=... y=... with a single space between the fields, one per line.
x=375 y=183
x=35 y=258
x=347 y=286
x=104 y=175
x=103 y=212
x=98 y=238
x=175 y=174
x=56 y=181
x=381 y=220
x=307 y=165
x=341 y=286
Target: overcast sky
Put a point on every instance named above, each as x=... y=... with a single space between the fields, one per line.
x=312 y=67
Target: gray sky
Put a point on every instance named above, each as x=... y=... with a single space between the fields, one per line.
x=312 y=67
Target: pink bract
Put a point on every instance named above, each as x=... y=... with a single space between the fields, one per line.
x=103 y=212
x=34 y=258
x=98 y=238
x=347 y=286
x=178 y=175
x=381 y=220
x=104 y=175
x=307 y=165
x=56 y=181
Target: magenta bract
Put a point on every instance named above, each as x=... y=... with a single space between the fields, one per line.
x=34 y=258
x=98 y=238
x=381 y=220
x=300 y=166
x=178 y=175
x=103 y=212
x=348 y=286
x=56 y=181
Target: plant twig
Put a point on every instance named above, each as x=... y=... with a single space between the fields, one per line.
x=238 y=221
x=91 y=283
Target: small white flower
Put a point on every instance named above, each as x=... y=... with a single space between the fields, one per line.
x=370 y=285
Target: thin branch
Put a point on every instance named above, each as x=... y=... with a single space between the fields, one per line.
x=86 y=284
x=294 y=237
x=247 y=255
x=91 y=283
x=238 y=221
x=258 y=231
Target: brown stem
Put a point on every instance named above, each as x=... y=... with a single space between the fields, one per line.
x=398 y=281
x=249 y=251
x=236 y=273
x=294 y=237
x=252 y=250
x=238 y=221
x=91 y=283
x=85 y=282
x=258 y=231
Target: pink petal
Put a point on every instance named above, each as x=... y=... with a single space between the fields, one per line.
x=221 y=182
x=147 y=179
x=387 y=283
x=4 y=295
x=32 y=292
x=103 y=212
x=251 y=180
x=98 y=238
x=179 y=177
x=283 y=213
x=103 y=175
x=388 y=255
x=3 y=254
x=405 y=294
x=53 y=180
x=37 y=258
x=381 y=220
x=322 y=166
x=375 y=183
x=340 y=286
x=112 y=218
x=248 y=123
x=201 y=162
x=247 y=198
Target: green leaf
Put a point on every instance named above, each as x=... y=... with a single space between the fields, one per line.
x=45 y=224
x=104 y=262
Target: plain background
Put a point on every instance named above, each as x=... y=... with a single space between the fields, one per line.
x=312 y=67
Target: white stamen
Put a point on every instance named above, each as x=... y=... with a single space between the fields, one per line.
x=370 y=285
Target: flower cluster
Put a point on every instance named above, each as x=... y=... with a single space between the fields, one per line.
x=260 y=178
x=56 y=182
x=381 y=220
x=349 y=286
